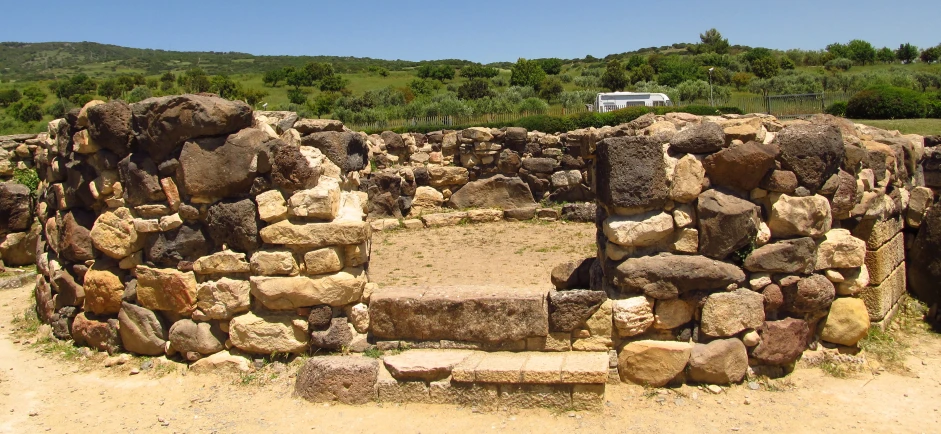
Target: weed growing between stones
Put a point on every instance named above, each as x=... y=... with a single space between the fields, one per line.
x=834 y=368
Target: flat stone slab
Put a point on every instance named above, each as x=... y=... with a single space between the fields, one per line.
x=425 y=365
x=533 y=368
x=459 y=313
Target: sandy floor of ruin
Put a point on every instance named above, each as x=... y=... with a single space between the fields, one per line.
x=51 y=393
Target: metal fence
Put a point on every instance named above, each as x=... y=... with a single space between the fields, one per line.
x=782 y=106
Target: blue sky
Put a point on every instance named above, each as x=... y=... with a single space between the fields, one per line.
x=483 y=30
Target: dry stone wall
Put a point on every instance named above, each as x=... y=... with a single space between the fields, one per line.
x=190 y=226
x=182 y=225
x=724 y=251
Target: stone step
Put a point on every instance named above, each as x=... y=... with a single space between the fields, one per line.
x=459 y=313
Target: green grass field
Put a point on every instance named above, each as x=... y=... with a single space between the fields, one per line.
x=925 y=127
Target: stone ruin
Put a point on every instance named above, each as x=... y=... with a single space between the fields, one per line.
x=190 y=227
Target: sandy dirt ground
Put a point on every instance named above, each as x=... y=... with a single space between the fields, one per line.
x=76 y=394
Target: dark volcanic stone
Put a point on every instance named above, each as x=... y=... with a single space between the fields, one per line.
x=812 y=152
x=221 y=166
x=109 y=125
x=788 y=256
x=319 y=317
x=631 y=173
x=234 y=224
x=782 y=342
x=290 y=170
x=139 y=178
x=699 y=139
x=570 y=309
x=347 y=150
x=167 y=249
x=572 y=274
x=741 y=167
x=335 y=337
x=15 y=208
x=810 y=294
x=923 y=261
x=74 y=235
x=726 y=223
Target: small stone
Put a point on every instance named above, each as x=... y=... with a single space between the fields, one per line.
x=714 y=389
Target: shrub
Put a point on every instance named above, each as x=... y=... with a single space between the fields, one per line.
x=297 y=96
x=840 y=64
x=9 y=96
x=886 y=102
x=27 y=177
x=475 y=88
x=836 y=109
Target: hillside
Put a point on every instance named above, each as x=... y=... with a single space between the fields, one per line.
x=49 y=60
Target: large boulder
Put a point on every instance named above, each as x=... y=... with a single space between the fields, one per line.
x=222 y=166
x=447 y=176
x=809 y=295
x=653 y=363
x=103 y=289
x=234 y=224
x=114 y=234
x=348 y=380
x=812 y=152
x=139 y=177
x=98 y=333
x=726 y=223
x=639 y=230
x=788 y=256
x=698 y=139
x=109 y=125
x=723 y=361
x=631 y=173
x=840 y=249
x=141 y=330
x=807 y=216
x=166 y=289
x=570 y=309
x=846 y=323
x=187 y=336
x=19 y=248
x=345 y=149
x=668 y=276
x=633 y=315
x=269 y=333
x=164 y=123
x=727 y=313
x=16 y=211
x=282 y=293
x=741 y=167
x=290 y=169
x=782 y=342
x=495 y=192
x=185 y=243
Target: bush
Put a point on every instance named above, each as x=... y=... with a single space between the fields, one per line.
x=886 y=102
x=836 y=109
x=27 y=177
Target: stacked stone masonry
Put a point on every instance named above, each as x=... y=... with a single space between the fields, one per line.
x=190 y=227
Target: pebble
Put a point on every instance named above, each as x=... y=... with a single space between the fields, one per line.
x=134 y=371
x=571 y=414
x=34 y=413
x=753 y=385
x=714 y=389
x=747 y=401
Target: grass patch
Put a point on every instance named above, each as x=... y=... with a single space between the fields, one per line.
x=834 y=369
x=925 y=127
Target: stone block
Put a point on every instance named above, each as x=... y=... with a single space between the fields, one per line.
x=535 y=396
x=881 y=263
x=460 y=313
x=587 y=396
x=881 y=298
x=348 y=380
x=876 y=232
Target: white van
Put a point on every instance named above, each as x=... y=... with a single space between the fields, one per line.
x=609 y=101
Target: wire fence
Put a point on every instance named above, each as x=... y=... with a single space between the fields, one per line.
x=782 y=106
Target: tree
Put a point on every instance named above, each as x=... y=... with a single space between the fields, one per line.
x=475 y=88
x=635 y=61
x=194 y=80
x=138 y=94
x=642 y=73
x=272 y=77
x=25 y=110
x=926 y=80
x=885 y=55
x=713 y=42
x=526 y=73
x=317 y=71
x=786 y=63
x=551 y=66
x=614 y=77
x=333 y=83
x=422 y=86
x=550 y=89
x=907 y=53
x=674 y=70
x=78 y=84
x=9 y=96
x=323 y=103
x=437 y=72
x=760 y=85
x=34 y=93
x=110 y=89
x=223 y=85
x=765 y=67
x=930 y=55
x=297 y=96
x=861 y=52
x=741 y=79
x=479 y=71
x=840 y=64
x=838 y=50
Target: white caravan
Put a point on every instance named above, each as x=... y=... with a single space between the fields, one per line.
x=609 y=101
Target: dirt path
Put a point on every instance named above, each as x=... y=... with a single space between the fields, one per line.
x=75 y=396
